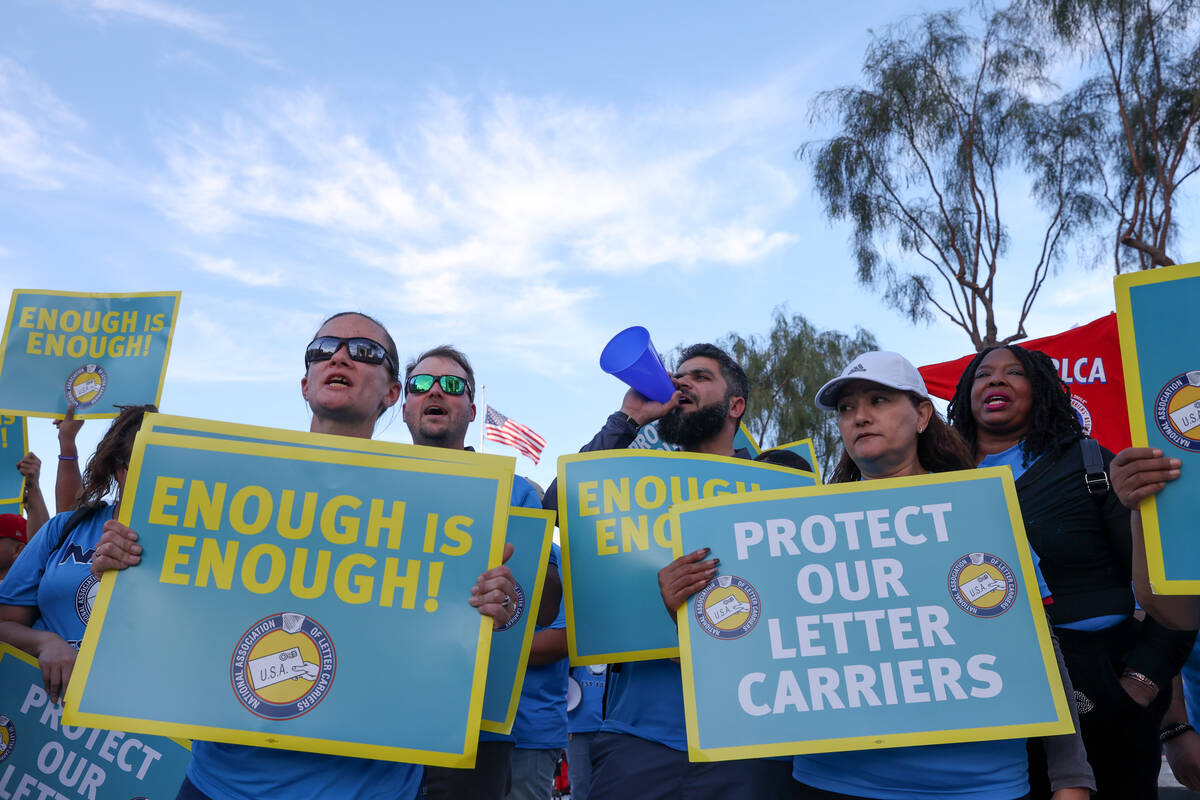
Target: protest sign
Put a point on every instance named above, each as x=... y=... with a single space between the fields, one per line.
x=509 y=653
x=804 y=449
x=1162 y=389
x=93 y=351
x=347 y=573
x=612 y=507
x=41 y=756
x=14 y=444
x=531 y=532
x=10 y=507
x=648 y=439
x=865 y=615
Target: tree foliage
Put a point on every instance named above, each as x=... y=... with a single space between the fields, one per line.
x=943 y=118
x=786 y=368
x=1143 y=105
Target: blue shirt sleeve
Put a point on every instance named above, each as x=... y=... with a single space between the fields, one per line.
x=20 y=586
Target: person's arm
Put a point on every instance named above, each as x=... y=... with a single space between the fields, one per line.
x=1136 y=474
x=1070 y=774
x=549 y=645
x=54 y=655
x=1183 y=743
x=36 y=513
x=69 y=481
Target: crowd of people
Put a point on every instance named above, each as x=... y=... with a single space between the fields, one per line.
x=622 y=727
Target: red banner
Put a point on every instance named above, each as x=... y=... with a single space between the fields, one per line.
x=1089 y=362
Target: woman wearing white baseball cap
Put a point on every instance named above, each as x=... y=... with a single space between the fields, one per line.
x=890 y=429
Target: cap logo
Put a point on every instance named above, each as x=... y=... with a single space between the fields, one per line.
x=856 y=368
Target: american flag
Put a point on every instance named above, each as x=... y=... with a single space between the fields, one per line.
x=500 y=428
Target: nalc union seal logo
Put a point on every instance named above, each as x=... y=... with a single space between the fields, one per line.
x=1177 y=411
x=283 y=666
x=727 y=608
x=1081 y=411
x=518 y=612
x=982 y=585
x=8 y=737
x=86 y=385
x=85 y=597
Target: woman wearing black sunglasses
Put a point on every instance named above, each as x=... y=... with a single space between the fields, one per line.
x=350 y=379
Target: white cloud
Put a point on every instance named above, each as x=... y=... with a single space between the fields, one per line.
x=37 y=131
x=228 y=268
x=174 y=16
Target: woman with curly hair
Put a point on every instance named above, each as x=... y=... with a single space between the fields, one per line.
x=39 y=611
x=1012 y=409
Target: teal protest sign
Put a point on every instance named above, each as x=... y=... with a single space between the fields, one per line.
x=530 y=531
x=1162 y=387
x=616 y=536
x=42 y=757
x=14 y=444
x=303 y=586
x=873 y=614
x=92 y=351
x=648 y=439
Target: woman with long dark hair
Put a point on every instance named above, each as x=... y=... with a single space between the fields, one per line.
x=46 y=598
x=890 y=429
x=1013 y=409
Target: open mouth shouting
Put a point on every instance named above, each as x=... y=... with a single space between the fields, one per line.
x=996 y=400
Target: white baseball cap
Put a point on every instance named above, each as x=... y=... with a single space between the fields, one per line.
x=878 y=366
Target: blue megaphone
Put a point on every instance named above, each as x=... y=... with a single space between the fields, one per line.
x=630 y=356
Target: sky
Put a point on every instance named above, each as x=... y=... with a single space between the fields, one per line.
x=520 y=180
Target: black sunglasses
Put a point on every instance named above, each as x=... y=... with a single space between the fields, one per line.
x=451 y=384
x=359 y=348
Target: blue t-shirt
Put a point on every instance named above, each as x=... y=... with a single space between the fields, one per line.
x=57 y=580
x=645 y=699
x=541 y=722
x=239 y=772
x=587 y=716
x=1191 y=686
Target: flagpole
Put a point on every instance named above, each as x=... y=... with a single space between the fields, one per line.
x=482 y=402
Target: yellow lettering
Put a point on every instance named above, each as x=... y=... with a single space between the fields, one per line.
x=635 y=533
x=377 y=522
x=363 y=584
x=128 y=321
x=116 y=346
x=615 y=494
x=712 y=484
x=277 y=567
x=641 y=493
x=26 y=320
x=161 y=500
x=587 y=498
x=69 y=320
x=456 y=530
x=33 y=344
x=91 y=321
x=133 y=346
x=76 y=346
x=110 y=323
x=664 y=534
x=431 y=521
x=47 y=318
x=221 y=565
x=55 y=345
x=605 y=533
x=205 y=506
x=262 y=517
x=320 y=578
x=407 y=583
x=172 y=558
x=348 y=533
x=307 y=514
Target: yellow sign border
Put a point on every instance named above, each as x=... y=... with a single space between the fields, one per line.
x=466 y=758
x=1062 y=723
x=568 y=592
x=20 y=498
x=531 y=609
x=162 y=375
x=1151 y=532
x=812 y=448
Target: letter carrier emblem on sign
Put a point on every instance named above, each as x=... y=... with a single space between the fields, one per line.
x=1177 y=410
x=727 y=608
x=283 y=666
x=982 y=585
x=86 y=385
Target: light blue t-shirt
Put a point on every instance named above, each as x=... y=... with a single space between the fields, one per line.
x=541 y=722
x=645 y=699
x=57 y=580
x=1191 y=685
x=589 y=714
x=240 y=772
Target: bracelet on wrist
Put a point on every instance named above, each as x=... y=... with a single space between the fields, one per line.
x=1170 y=732
x=637 y=426
x=1140 y=678
x=61 y=457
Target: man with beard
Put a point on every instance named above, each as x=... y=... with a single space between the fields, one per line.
x=641 y=749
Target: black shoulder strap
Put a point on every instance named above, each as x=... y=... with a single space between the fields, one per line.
x=77 y=517
x=1094 y=476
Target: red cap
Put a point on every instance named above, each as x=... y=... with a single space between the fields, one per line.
x=12 y=526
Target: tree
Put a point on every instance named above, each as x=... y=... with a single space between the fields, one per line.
x=942 y=120
x=785 y=370
x=1144 y=103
